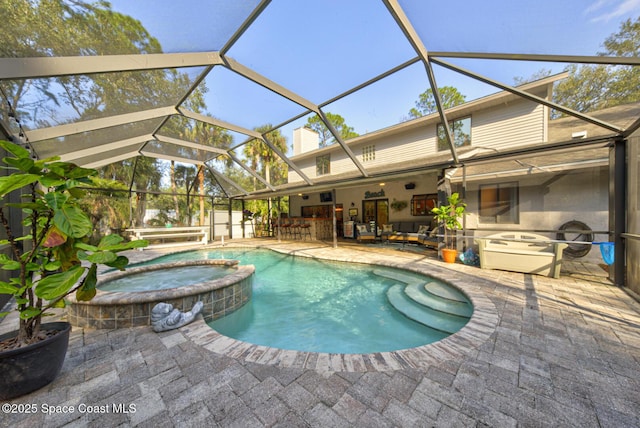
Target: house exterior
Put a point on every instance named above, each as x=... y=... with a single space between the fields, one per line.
x=504 y=186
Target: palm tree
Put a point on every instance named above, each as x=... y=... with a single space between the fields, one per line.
x=264 y=160
x=207 y=135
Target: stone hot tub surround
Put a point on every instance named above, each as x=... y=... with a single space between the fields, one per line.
x=123 y=309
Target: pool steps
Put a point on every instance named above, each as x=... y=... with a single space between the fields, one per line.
x=446 y=292
x=419 y=294
x=430 y=304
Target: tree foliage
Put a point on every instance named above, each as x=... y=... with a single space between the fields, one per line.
x=74 y=28
x=107 y=209
x=326 y=137
x=201 y=133
x=426 y=103
x=79 y=28
x=595 y=87
x=262 y=159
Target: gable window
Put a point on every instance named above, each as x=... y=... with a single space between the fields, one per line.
x=461 y=129
x=323 y=165
x=499 y=203
x=369 y=153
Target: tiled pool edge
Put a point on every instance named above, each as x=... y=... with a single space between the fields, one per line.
x=109 y=310
x=476 y=332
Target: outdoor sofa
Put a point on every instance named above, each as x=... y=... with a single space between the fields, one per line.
x=521 y=252
x=414 y=232
x=364 y=233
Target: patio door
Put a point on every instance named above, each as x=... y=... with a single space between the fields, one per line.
x=377 y=211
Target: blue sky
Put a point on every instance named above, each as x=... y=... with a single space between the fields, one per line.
x=321 y=48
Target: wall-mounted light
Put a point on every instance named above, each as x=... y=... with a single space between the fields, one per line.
x=410 y=186
x=382 y=184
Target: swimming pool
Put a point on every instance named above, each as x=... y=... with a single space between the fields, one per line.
x=316 y=305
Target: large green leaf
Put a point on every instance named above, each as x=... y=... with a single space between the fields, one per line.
x=88 y=289
x=81 y=254
x=15 y=149
x=7 y=288
x=61 y=168
x=85 y=246
x=52 y=266
x=55 y=200
x=122 y=246
x=51 y=180
x=23 y=164
x=109 y=240
x=79 y=172
x=72 y=221
x=76 y=192
x=30 y=312
x=13 y=182
x=119 y=263
x=59 y=284
x=102 y=257
x=139 y=243
x=10 y=265
x=59 y=304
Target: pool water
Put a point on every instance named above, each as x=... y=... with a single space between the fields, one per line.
x=166 y=278
x=315 y=305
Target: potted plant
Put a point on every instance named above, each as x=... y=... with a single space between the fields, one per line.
x=48 y=261
x=449 y=215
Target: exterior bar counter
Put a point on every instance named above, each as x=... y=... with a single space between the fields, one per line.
x=321 y=228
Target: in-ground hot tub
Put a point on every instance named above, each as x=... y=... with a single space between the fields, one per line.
x=123 y=309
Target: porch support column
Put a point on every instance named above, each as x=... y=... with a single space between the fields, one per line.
x=618 y=207
x=335 y=219
x=444 y=191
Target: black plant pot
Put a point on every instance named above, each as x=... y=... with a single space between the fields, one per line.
x=29 y=368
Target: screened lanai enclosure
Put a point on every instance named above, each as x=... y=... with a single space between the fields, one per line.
x=193 y=107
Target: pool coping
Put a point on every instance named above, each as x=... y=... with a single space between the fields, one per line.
x=477 y=331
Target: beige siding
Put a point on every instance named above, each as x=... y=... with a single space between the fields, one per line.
x=294 y=177
x=515 y=124
x=417 y=143
x=505 y=126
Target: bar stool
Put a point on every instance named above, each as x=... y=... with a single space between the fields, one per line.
x=305 y=230
x=295 y=229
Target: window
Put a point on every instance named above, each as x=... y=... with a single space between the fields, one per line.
x=461 y=129
x=499 y=203
x=422 y=204
x=323 y=165
x=369 y=153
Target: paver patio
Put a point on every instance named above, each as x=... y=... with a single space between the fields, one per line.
x=556 y=352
